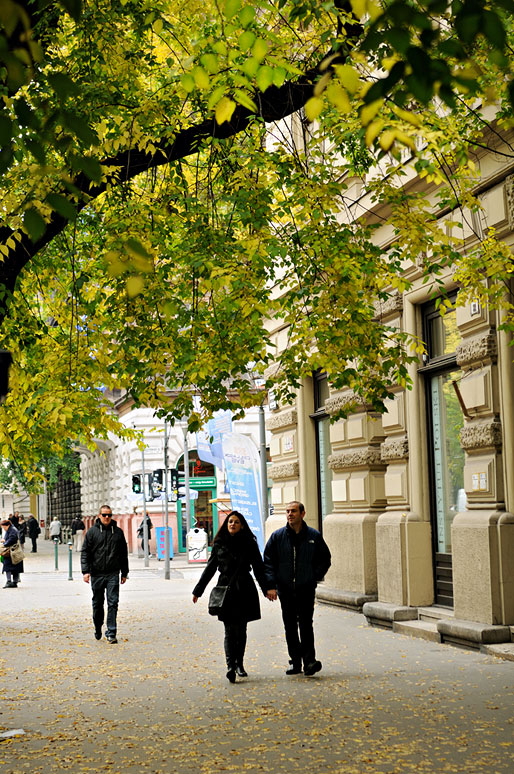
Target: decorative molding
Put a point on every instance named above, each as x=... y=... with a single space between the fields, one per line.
x=509 y=196
x=355 y=458
x=392 y=305
x=477 y=349
x=283 y=470
x=284 y=419
x=481 y=435
x=395 y=449
x=349 y=402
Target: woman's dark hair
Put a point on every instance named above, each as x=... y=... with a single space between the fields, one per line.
x=222 y=535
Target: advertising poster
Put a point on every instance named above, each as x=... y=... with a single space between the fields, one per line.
x=242 y=465
x=208 y=439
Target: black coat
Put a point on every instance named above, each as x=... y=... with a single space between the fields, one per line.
x=11 y=537
x=236 y=554
x=295 y=561
x=104 y=551
x=33 y=528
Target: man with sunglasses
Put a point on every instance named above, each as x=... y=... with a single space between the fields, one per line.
x=104 y=557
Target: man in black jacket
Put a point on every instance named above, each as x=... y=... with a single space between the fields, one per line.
x=296 y=558
x=104 y=556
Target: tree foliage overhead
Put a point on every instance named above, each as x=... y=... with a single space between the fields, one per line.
x=160 y=203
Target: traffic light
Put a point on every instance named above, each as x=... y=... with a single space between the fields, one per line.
x=174 y=478
x=136 y=484
x=158 y=480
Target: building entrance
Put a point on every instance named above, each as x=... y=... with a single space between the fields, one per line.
x=445 y=421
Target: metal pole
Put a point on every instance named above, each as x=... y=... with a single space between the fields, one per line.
x=186 y=477
x=56 y=543
x=145 y=516
x=264 y=466
x=70 y=560
x=166 y=520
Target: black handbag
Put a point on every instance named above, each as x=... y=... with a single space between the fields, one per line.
x=218 y=595
x=217 y=599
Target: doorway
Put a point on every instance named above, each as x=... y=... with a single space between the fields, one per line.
x=445 y=421
x=202 y=513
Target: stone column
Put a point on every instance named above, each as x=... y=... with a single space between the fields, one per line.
x=358 y=497
x=482 y=536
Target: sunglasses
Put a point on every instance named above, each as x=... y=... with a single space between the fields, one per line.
x=106 y=515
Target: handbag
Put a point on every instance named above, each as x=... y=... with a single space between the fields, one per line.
x=218 y=595
x=217 y=599
x=17 y=554
x=5 y=550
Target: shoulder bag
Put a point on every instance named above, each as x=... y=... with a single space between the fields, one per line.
x=218 y=594
x=17 y=554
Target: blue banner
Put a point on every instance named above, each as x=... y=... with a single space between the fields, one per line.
x=242 y=465
x=160 y=540
x=208 y=439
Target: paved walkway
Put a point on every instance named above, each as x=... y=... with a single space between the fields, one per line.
x=159 y=701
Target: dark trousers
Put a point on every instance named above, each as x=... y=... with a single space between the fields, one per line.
x=34 y=544
x=106 y=586
x=235 y=644
x=297 y=615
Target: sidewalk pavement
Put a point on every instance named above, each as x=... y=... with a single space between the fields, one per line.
x=159 y=701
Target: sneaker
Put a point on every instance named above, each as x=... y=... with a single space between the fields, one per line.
x=294 y=669
x=111 y=638
x=311 y=669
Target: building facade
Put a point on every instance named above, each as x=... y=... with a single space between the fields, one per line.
x=417 y=503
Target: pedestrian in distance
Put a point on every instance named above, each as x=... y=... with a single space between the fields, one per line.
x=296 y=558
x=10 y=537
x=56 y=529
x=103 y=558
x=77 y=532
x=234 y=553
x=33 y=530
x=141 y=533
x=22 y=528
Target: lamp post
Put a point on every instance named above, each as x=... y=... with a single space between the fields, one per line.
x=166 y=519
x=186 y=471
x=264 y=466
x=145 y=516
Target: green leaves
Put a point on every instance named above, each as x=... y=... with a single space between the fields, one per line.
x=34 y=224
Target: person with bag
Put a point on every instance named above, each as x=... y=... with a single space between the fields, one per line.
x=12 y=565
x=77 y=532
x=235 y=599
x=34 y=531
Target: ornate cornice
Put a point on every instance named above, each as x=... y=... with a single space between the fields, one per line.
x=395 y=449
x=509 y=195
x=355 y=458
x=286 y=418
x=477 y=349
x=391 y=305
x=283 y=470
x=481 y=435
x=349 y=402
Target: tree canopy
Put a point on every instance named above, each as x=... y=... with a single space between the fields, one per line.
x=176 y=174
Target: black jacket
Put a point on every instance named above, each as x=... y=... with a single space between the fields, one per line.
x=293 y=561
x=236 y=554
x=33 y=527
x=104 y=551
x=11 y=537
x=77 y=524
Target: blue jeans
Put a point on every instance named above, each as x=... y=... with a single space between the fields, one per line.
x=109 y=586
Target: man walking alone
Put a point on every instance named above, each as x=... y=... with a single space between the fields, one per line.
x=296 y=558
x=104 y=557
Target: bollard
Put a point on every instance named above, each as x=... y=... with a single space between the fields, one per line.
x=70 y=560
x=56 y=543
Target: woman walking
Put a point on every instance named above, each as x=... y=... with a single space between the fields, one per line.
x=234 y=553
x=10 y=537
